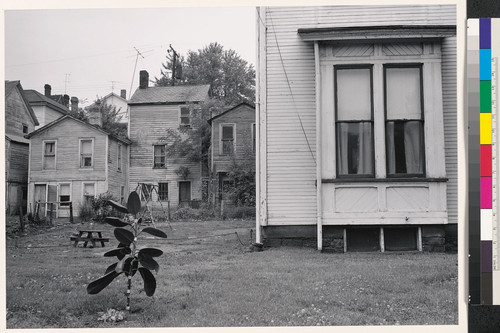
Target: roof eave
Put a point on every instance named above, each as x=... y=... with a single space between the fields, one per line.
x=378 y=33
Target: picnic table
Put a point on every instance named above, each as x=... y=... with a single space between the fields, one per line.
x=93 y=236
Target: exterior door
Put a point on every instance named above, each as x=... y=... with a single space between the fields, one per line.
x=184 y=192
x=52 y=198
x=64 y=197
x=40 y=196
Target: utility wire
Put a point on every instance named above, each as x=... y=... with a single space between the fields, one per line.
x=290 y=86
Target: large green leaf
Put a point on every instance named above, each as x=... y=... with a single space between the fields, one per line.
x=149 y=281
x=115 y=222
x=118 y=206
x=96 y=286
x=111 y=268
x=126 y=266
x=133 y=203
x=155 y=232
x=124 y=236
x=152 y=252
x=114 y=253
x=148 y=262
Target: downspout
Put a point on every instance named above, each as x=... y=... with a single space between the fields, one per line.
x=318 y=148
x=258 y=235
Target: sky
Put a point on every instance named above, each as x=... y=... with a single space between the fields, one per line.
x=89 y=53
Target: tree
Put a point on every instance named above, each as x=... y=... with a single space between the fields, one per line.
x=110 y=118
x=193 y=143
x=231 y=78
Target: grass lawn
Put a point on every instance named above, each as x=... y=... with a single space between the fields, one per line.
x=208 y=278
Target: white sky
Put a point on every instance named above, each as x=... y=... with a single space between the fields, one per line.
x=96 y=46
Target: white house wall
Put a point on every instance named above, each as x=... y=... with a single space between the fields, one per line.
x=288 y=93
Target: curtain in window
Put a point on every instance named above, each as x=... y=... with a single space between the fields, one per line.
x=404 y=147
x=354 y=148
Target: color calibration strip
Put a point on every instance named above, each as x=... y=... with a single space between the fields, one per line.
x=484 y=249
x=474 y=157
x=486 y=225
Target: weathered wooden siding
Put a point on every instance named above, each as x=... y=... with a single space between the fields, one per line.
x=147 y=127
x=242 y=118
x=67 y=135
x=289 y=110
x=18 y=156
x=45 y=115
x=16 y=114
x=117 y=178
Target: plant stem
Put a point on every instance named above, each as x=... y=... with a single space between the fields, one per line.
x=128 y=289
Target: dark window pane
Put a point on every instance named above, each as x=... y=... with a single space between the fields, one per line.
x=405 y=151
x=355 y=148
x=163 y=191
x=227 y=132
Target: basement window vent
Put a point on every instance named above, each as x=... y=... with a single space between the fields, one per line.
x=400 y=239
x=363 y=239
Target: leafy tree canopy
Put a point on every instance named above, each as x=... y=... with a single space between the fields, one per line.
x=110 y=117
x=231 y=78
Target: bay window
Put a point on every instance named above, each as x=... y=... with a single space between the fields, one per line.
x=404 y=120
x=354 y=121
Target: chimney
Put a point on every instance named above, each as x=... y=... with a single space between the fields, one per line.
x=123 y=94
x=66 y=100
x=143 y=79
x=95 y=115
x=74 y=104
x=48 y=90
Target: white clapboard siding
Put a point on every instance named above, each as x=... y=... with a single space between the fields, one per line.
x=289 y=78
x=449 y=76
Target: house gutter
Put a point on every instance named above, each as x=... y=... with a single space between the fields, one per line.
x=319 y=208
x=258 y=236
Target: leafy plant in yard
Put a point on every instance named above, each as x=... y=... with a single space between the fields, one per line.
x=127 y=252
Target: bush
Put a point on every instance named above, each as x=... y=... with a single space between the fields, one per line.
x=239 y=212
x=86 y=211
x=97 y=208
x=186 y=213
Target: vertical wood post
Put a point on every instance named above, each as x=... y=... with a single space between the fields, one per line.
x=21 y=220
x=37 y=209
x=71 y=211
x=382 y=240
x=51 y=210
x=168 y=208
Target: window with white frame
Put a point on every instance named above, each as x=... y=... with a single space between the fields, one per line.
x=354 y=121
x=119 y=157
x=64 y=194
x=159 y=156
x=86 y=153
x=227 y=139
x=404 y=124
x=49 y=155
x=162 y=191
x=88 y=191
x=184 y=116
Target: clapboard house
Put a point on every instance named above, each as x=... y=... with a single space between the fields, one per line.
x=19 y=121
x=357 y=114
x=72 y=160
x=233 y=144
x=48 y=107
x=161 y=177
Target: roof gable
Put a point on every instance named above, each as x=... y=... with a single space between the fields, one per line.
x=230 y=110
x=81 y=122
x=35 y=98
x=171 y=94
x=10 y=86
